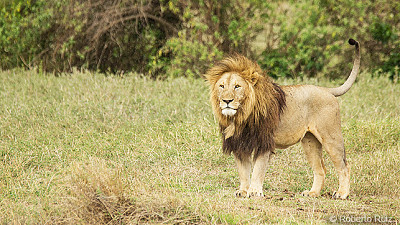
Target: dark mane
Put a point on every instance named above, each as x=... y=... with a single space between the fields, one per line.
x=254 y=137
x=254 y=126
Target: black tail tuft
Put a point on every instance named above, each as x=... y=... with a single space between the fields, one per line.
x=352 y=41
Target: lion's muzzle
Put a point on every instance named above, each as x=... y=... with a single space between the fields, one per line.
x=227 y=110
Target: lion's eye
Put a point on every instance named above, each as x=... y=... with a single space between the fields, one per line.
x=221 y=86
x=237 y=86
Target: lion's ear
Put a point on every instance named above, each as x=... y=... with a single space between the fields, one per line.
x=254 y=78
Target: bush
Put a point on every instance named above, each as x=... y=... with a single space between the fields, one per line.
x=112 y=36
x=313 y=36
x=170 y=38
x=210 y=29
x=22 y=25
x=108 y=36
x=306 y=44
x=163 y=38
x=376 y=24
x=182 y=57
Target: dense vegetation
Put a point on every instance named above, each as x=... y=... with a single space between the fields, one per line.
x=182 y=38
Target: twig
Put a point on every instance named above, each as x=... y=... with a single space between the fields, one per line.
x=23 y=61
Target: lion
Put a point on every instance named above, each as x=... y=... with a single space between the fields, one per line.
x=256 y=116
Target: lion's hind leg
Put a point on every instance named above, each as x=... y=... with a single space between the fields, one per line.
x=313 y=150
x=332 y=142
x=336 y=151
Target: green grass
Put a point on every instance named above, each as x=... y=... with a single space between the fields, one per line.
x=88 y=148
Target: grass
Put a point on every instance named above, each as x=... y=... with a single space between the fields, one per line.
x=93 y=149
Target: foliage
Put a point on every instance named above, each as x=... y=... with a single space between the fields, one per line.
x=306 y=44
x=314 y=34
x=182 y=57
x=376 y=24
x=98 y=35
x=391 y=66
x=170 y=38
x=210 y=28
x=22 y=25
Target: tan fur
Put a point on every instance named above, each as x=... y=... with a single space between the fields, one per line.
x=256 y=116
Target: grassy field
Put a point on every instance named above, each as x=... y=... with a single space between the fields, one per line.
x=90 y=149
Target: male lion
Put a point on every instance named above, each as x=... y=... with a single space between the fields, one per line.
x=256 y=116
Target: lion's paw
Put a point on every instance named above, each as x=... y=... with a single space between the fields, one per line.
x=339 y=195
x=310 y=194
x=241 y=193
x=255 y=193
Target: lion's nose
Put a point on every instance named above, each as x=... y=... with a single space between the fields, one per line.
x=228 y=101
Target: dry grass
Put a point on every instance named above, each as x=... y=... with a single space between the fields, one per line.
x=96 y=194
x=89 y=149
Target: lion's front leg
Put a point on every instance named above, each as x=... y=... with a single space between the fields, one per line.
x=244 y=168
x=258 y=175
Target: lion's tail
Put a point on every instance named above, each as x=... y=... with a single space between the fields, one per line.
x=350 y=80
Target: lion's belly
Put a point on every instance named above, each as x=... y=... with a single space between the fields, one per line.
x=285 y=139
x=290 y=131
x=293 y=122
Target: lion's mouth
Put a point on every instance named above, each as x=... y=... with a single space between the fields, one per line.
x=229 y=111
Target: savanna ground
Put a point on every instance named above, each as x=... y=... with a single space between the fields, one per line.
x=91 y=149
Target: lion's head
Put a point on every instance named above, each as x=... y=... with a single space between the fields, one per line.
x=247 y=104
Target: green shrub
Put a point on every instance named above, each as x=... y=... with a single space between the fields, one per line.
x=210 y=29
x=170 y=38
x=375 y=24
x=306 y=43
x=181 y=57
x=312 y=37
x=22 y=26
x=102 y=35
